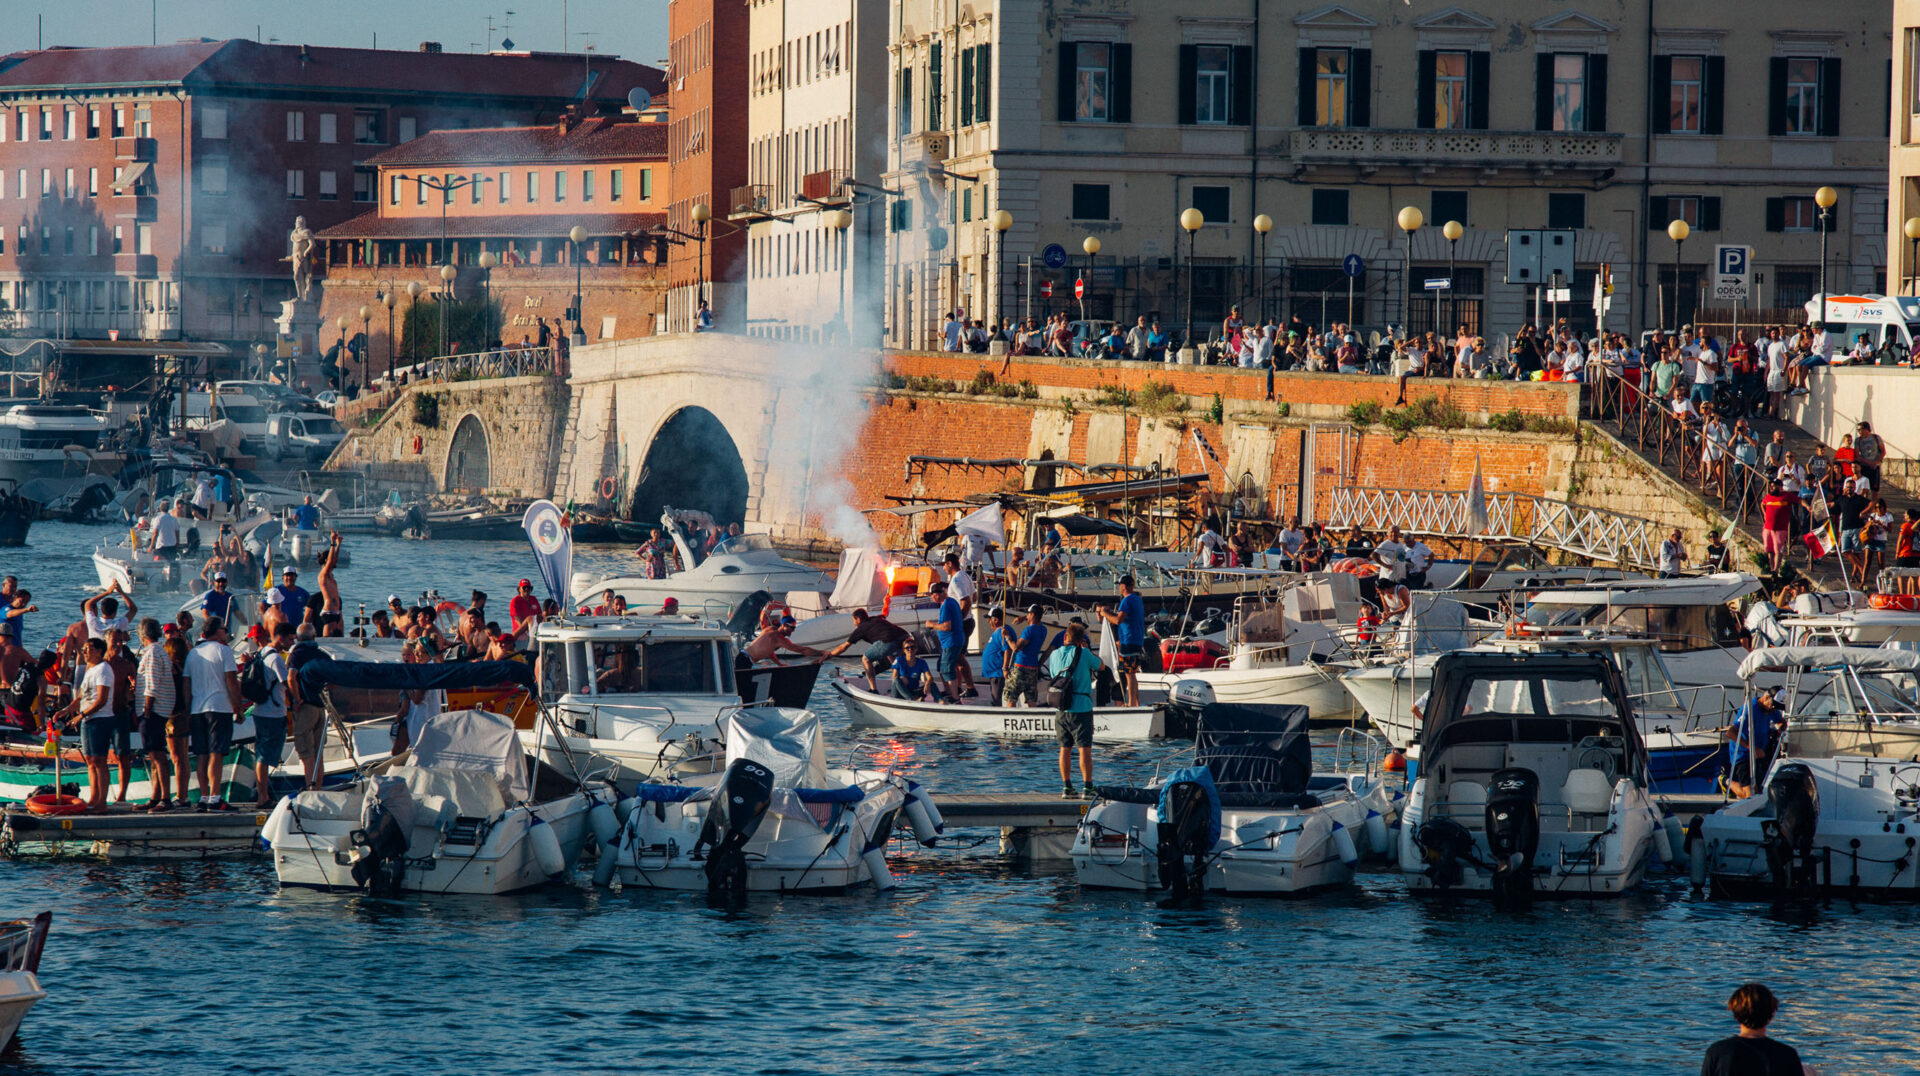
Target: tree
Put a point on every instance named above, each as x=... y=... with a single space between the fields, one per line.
x=467 y=322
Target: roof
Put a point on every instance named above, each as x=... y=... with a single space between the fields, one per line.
x=598 y=138
x=241 y=64
x=374 y=226
x=1713 y=589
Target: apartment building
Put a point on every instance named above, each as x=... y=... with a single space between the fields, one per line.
x=707 y=159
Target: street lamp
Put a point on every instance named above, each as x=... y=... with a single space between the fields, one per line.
x=446 y=187
x=1191 y=219
x=366 y=340
x=1912 y=229
x=701 y=215
x=1825 y=197
x=840 y=220
x=1002 y=220
x=1410 y=220
x=447 y=275
x=1453 y=230
x=392 y=299
x=1091 y=244
x=578 y=235
x=336 y=381
x=1678 y=232
x=487 y=262
x=1263 y=224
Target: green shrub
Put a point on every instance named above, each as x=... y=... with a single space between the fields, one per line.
x=1558 y=426
x=1218 y=411
x=1113 y=396
x=1028 y=390
x=981 y=384
x=426 y=410
x=1507 y=421
x=1160 y=398
x=1283 y=409
x=1431 y=410
x=1365 y=413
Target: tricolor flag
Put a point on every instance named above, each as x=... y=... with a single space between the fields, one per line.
x=1819 y=542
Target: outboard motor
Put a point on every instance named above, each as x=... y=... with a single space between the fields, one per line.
x=1185 y=839
x=1445 y=845
x=745 y=622
x=1513 y=832
x=1184 y=703
x=739 y=804
x=386 y=819
x=1795 y=799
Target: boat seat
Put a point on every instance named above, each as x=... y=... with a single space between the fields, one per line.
x=1588 y=796
x=1467 y=803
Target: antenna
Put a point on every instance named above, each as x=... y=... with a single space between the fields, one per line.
x=638 y=99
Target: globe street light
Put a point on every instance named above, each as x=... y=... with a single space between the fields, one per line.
x=1453 y=230
x=391 y=299
x=701 y=215
x=1002 y=220
x=1825 y=197
x=487 y=262
x=840 y=220
x=578 y=235
x=339 y=323
x=1191 y=219
x=1263 y=224
x=1912 y=230
x=1410 y=220
x=366 y=339
x=1678 y=232
x=1091 y=244
x=447 y=275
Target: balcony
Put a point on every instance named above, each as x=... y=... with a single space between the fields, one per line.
x=128 y=148
x=750 y=202
x=1534 y=151
x=827 y=186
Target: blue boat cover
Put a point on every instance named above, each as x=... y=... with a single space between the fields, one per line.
x=394 y=676
x=665 y=793
x=1203 y=777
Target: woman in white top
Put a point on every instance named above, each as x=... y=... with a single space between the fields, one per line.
x=416 y=707
x=1713 y=448
x=1792 y=476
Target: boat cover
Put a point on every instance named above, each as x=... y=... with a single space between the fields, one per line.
x=1254 y=747
x=986 y=522
x=788 y=742
x=861 y=583
x=1435 y=624
x=1201 y=776
x=1859 y=659
x=475 y=740
x=393 y=675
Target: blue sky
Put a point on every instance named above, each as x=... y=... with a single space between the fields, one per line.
x=633 y=29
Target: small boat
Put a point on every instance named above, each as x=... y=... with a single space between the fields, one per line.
x=776 y=819
x=21 y=943
x=1248 y=816
x=17 y=513
x=1532 y=783
x=1841 y=826
x=978 y=716
x=1845 y=700
x=713 y=584
x=457 y=815
x=1276 y=654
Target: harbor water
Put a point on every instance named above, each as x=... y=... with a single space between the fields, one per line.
x=971 y=965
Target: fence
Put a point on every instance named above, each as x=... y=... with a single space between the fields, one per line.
x=475 y=366
x=1593 y=533
x=1674 y=440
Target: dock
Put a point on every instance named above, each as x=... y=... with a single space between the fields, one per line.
x=126 y=832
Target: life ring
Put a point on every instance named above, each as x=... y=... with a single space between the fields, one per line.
x=418 y=445
x=1907 y=603
x=606 y=488
x=55 y=803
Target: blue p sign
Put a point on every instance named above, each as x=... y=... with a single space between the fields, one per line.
x=1733 y=261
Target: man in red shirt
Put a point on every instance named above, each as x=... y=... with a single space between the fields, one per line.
x=1776 y=518
x=524 y=609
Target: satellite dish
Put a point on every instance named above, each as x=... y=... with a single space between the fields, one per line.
x=638 y=99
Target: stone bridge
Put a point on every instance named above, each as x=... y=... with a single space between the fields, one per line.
x=498 y=436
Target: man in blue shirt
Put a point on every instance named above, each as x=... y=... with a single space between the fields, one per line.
x=219 y=600
x=993 y=656
x=293 y=600
x=1129 y=622
x=1074 y=722
x=1023 y=679
x=911 y=677
x=953 y=641
x=306 y=517
x=1755 y=729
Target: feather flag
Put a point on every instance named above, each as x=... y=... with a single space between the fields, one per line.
x=266 y=568
x=1477 y=521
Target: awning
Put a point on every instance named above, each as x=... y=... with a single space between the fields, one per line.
x=908 y=510
x=1812 y=658
x=196 y=349
x=132 y=176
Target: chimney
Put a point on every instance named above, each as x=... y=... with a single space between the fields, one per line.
x=429 y=46
x=569 y=118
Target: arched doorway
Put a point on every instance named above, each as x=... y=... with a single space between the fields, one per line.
x=468 y=465
x=692 y=463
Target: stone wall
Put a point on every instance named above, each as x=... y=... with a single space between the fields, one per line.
x=518 y=420
x=1609 y=474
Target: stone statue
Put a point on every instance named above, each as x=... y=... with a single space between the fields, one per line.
x=301 y=240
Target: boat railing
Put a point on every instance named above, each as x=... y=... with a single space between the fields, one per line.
x=1358 y=749
x=593 y=707
x=21 y=942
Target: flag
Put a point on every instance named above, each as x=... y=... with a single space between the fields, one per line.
x=1819 y=542
x=266 y=568
x=552 y=543
x=1477 y=521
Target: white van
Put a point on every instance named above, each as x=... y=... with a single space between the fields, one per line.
x=303 y=435
x=1890 y=323
x=201 y=411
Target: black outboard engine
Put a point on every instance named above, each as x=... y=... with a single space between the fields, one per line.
x=1185 y=840
x=386 y=817
x=1446 y=846
x=1185 y=700
x=745 y=622
x=739 y=804
x=1789 y=834
x=1513 y=832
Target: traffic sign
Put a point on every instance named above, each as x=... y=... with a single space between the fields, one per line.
x=1559 y=295
x=1439 y=283
x=1732 y=271
x=1055 y=256
x=1353 y=266
x=1079 y=288
x=1046 y=289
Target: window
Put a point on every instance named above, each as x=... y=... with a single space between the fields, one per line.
x=533 y=187
x=1701 y=212
x=1687 y=83
x=330 y=185
x=616 y=184
x=586 y=184
x=559 y=186
x=478 y=182
x=296 y=183
x=1330 y=69
x=1569 y=93
x=46 y=124
x=1092 y=82
x=1213 y=89
x=46 y=183
x=69 y=190
x=119 y=238
x=1803 y=97
x=93 y=183
x=1214 y=203
x=976 y=66
x=46 y=240
x=67 y=247
x=408 y=126
x=419 y=190
x=296 y=126
x=1566 y=211
x=213 y=237
x=1091 y=201
x=119 y=121
x=646 y=184
x=213 y=121
x=143 y=238
x=1449 y=205
x=936 y=90
x=143 y=122
x=1450 y=91
x=366 y=182
x=903 y=115
x=1330 y=206
x=1795 y=214
x=1794 y=285
x=93 y=241
x=503 y=184
x=393 y=189
x=367 y=127
x=93 y=123
x=329 y=127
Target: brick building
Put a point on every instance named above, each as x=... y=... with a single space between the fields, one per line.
x=707 y=155
x=150 y=190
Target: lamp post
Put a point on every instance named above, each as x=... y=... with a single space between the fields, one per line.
x=1263 y=224
x=1678 y=232
x=701 y=215
x=1002 y=220
x=1191 y=219
x=487 y=262
x=1453 y=230
x=577 y=235
x=366 y=339
x=840 y=220
x=446 y=187
x=339 y=324
x=1912 y=230
x=391 y=300
x=1825 y=197
x=1410 y=220
x=447 y=275
x=1091 y=244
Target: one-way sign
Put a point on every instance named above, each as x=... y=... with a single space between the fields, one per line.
x=1439 y=283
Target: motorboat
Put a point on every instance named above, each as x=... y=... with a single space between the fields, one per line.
x=1845 y=700
x=21 y=943
x=1274 y=653
x=882 y=583
x=1693 y=617
x=1249 y=815
x=1532 y=781
x=774 y=819
x=1842 y=826
x=457 y=814
x=713 y=584
x=54 y=442
x=980 y=717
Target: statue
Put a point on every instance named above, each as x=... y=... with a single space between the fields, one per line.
x=301 y=240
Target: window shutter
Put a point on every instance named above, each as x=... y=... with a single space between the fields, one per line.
x=1479 y=88
x=1067 y=55
x=1423 y=107
x=1710 y=214
x=1308 y=114
x=1662 y=95
x=1776 y=214
x=1241 y=75
x=1777 y=97
x=936 y=91
x=1657 y=215
x=1713 y=97
x=1120 y=85
x=1830 y=98
x=1543 y=92
x=1189 y=71
x=1597 y=92
x=983 y=83
x=966 y=89
x=1360 y=88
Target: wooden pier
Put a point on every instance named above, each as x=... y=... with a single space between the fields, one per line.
x=126 y=832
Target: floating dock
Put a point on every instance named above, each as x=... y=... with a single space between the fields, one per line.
x=126 y=832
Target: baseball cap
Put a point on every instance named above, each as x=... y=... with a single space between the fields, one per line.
x=670 y=603
x=1033 y=610
x=289 y=571
x=788 y=622
x=526 y=582
x=219 y=576
x=393 y=599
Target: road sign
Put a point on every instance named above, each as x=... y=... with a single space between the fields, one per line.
x=1353 y=266
x=113 y=334
x=1732 y=272
x=1046 y=289
x=1534 y=255
x=1439 y=283
x=1559 y=295
x=1079 y=288
x=1055 y=256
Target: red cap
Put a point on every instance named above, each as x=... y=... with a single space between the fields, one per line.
x=526 y=582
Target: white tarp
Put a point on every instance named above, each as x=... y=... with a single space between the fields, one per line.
x=1434 y=625
x=1827 y=657
x=475 y=740
x=986 y=523
x=862 y=582
x=788 y=742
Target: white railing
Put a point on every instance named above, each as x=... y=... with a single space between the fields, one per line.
x=1595 y=533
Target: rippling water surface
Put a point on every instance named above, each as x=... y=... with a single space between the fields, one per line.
x=969 y=966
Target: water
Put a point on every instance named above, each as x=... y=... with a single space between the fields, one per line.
x=970 y=966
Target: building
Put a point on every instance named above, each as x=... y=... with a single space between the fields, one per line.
x=149 y=191
x=1108 y=120
x=707 y=158
x=1903 y=157
x=816 y=148
x=514 y=194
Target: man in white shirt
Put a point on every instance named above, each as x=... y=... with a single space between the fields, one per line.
x=952 y=332
x=1706 y=373
x=1673 y=555
x=960 y=585
x=1291 y=541
x=102 y=612
x=1391 y=555
x=1137 y=346
x=165 y=542
x=92 y=710
x=213 y=686
x=1210 y=550
x=203 y=498
x=1419 y=559
x=270 y=717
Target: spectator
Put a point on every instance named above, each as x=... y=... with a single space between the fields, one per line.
x=1673 y=555
x=213 y=678
x=912 y=680
x=1868 y=454
x=993 y=656
x=1752 y=1052
x=93 y=712
x=1074 y=721
x=270 y=715
x=1776 y=518
x=1023 y=679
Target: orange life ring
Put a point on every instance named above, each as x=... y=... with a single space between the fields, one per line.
x=606 y=488
x=418 y=445
x=55 y=803
x=1907 y=603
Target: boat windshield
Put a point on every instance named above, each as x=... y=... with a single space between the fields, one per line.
x=1105 y=575
x=1676 y=629
x=672 y=667
x=747 y=543
x=1647 y=681
x=1884 y=696
x=1543 y=697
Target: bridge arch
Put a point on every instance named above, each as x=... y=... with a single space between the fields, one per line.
x=692 y=461
x=469 y=459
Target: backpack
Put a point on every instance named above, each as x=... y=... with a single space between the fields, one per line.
x=254 y=685
x=1060 y=688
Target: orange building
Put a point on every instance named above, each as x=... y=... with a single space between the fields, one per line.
x=708 y=80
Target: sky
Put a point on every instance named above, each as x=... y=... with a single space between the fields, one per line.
x=632 y=29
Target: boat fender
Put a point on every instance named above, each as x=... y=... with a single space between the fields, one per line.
x=1662 y=840
x=1343 y=844
x=604 y=822
x=1696 y=853
x=923 y=830
x=1378 y=839
x=546 y=847
x=603 y=867
x=1676 y=837
x=876 y=862
x=926 y=801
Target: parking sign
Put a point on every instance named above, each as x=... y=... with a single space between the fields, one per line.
x=1732 y=272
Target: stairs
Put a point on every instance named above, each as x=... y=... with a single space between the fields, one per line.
x=560 y=482
x=762 y=460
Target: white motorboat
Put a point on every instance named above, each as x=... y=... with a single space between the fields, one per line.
x=1277 y=654
x=21 y=942
x=712 y=584
x=978 y=716
x=869 y=579
x=1842 y=826
x=458 y=817
x=1845 y=700
x=776 y=819
x=53 y=443
x=1248 y=816
x=1532 y=782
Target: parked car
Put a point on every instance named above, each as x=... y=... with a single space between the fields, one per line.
x=311 y=436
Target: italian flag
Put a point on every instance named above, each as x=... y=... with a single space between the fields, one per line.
x=1819 y=542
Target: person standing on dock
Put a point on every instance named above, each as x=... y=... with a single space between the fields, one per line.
x=93 y=712
x=1072 y=666
x=1129 y=620
x=213 y=678
x=155 y=695
x=270 y=714
x=1752 y=1052
x=125 y=680
x=1023 y=678
x=953 y=642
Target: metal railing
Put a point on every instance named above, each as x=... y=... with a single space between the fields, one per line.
x=474 y=366
x=1671 y=440
x=1594 y=533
